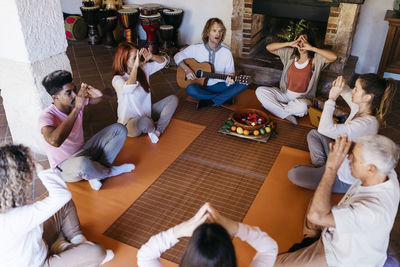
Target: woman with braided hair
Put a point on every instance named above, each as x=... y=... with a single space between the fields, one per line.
x=370 y=103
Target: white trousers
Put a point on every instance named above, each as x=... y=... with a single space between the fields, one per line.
x=282 y=104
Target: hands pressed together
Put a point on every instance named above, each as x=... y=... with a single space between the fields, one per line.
x=338 y=86
x=338 y=152
x=206 y=213
x=86 y=91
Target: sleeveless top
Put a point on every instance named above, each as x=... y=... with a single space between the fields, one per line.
x=299 y=76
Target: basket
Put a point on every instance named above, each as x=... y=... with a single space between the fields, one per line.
x=315 y=116
x=247 y=111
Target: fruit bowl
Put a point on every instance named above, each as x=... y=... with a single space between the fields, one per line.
x=250 y=119
x=249 y=123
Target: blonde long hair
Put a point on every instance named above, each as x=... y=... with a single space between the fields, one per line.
x=16 y=175
x=207 y=28
x=382 y=91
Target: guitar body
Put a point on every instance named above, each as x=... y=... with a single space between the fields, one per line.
x=195 y=66
x=203 y=71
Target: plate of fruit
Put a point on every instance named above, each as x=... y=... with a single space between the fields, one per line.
x=250 y=123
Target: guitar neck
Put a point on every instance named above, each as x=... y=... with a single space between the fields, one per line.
x=211 y=75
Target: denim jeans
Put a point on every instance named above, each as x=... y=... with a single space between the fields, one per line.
x=218 y=93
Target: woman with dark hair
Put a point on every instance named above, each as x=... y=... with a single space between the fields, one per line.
x=42 y=233
x=213 y=51
x=210 y=244
x=132 y=68
x=302 y=65
x=370 y=102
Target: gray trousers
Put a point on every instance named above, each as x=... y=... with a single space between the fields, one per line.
x=161 y=112
x=94 y=159
x=309 y=176
x=66 y=222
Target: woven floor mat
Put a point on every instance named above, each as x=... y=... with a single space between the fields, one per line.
x=224 y=170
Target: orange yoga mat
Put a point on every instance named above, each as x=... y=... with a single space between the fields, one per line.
x=97 y=210
x=279 y=207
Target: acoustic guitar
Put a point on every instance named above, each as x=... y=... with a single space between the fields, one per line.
x=203 y=71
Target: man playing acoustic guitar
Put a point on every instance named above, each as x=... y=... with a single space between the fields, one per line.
x=211 y=50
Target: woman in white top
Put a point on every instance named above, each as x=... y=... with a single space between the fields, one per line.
x=132 y=68
x=370 y=102
x=42 y=233
x=210 y=243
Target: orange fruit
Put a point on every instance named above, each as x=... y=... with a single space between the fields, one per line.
x=233 y=128
x=256 y=132
x=246 y=132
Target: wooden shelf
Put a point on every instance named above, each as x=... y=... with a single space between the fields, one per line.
x=390 y=60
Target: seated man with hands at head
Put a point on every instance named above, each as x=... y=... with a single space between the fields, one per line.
x=61 y=128
x=210 y=243
x=213 y=51
x=356 y=231
x=302 y=66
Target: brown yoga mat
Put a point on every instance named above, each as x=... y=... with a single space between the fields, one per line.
x=224 y=170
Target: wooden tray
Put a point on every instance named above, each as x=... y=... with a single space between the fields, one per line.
x=259 y=138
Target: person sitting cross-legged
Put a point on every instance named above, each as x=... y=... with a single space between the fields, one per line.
x=356 y=231
x=210 y=243
x=61 y=128
x=211 y=50
x=42 y=233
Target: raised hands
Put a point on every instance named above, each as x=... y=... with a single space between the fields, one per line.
x=338 y=86
x=205 y=213
x=228 y=224
x=338 y=152
x=147 y=55
x=301 y=43
x=187 y=227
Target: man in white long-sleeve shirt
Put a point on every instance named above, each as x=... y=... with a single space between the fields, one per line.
x=356 y=231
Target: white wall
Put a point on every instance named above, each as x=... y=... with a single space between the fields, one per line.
x=370 y=35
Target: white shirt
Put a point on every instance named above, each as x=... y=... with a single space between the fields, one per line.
x=21 y=230
x=133 y=100
x=266 y=247
x=353 y=128
x=364 y=218
x=220 y=58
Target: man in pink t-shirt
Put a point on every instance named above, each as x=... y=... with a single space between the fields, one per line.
x=61 y=127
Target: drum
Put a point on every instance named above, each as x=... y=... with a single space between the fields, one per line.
x=166 y=34
x=75 y=28
x=131 y=6
x=150 y=25
x=173 y=17
x=111 y=23
x=150 y=9
x=129 y=19
x=90 y=14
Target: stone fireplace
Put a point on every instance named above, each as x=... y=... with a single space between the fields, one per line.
x=251 y=23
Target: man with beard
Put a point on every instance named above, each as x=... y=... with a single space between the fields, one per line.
x=61 y=127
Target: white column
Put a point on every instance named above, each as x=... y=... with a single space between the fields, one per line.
x=32 y=45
